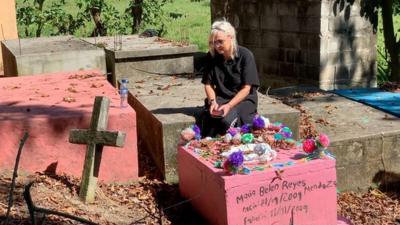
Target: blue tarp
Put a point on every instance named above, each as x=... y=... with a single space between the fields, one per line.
x=386 y=101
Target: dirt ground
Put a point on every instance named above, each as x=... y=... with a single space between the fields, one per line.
x=135 y=203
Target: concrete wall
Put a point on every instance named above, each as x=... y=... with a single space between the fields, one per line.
x=8 y=24
x=327 y=43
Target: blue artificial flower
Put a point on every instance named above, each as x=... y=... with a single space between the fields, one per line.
x=236 y=158
x=278 y=136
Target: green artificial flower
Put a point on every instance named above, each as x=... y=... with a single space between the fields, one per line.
x=247 y=138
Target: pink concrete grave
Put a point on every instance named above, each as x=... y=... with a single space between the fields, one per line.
x=287 y=186
x=48 y=107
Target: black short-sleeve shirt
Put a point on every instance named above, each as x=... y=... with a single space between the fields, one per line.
x=228 y=77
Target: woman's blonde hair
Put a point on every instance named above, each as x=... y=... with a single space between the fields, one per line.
x=228 y=29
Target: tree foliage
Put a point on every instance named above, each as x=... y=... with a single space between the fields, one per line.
x=34 y=15
x=392 y=40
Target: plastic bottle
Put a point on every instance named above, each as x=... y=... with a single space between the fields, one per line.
x=123 y=92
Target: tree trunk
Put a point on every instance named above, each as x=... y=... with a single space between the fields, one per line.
x=99 y=29
x=137 y=11
x=40 y=23
x=390 y=39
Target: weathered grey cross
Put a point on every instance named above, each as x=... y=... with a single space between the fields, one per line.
x=95 y=138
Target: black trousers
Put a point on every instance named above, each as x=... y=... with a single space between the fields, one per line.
x=239 y=115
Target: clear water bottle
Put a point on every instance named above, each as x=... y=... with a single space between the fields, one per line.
x=123 y=92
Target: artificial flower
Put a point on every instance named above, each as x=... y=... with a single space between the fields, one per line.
x=236 y=158
x=237 y=139
x=228 y=138
x=197 y=131
x=233 y=131
x=309 y=145
x=247 y=138
x=245 y=129
x=258 y=122
x=323 y=140
x=286 y=132
x=188 y=134
x=233 y=163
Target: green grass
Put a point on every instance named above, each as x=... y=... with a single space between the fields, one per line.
x=192 y=25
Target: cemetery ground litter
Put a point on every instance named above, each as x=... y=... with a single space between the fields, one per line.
x=141 y=202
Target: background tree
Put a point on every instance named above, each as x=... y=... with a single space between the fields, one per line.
x=392 y=43
x=34 y=17
x=149 y=12
x=92 y=9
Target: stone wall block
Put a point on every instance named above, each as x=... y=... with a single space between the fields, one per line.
x=307 y=72
x=287 y=69
x=326 y=8
x=270 y=39
x=270 y=23
x=324 y=26
x=309 y=42
x=250 y=22
x=289 y=41
x=310 y=25
x=287 y=9
x=314 y=58
x=270 y=10
x=310 y=10
x=333 y=74
x=270 y=67
x=251 y=38
x=289 y=24
x=293 y=56
x=275 y=54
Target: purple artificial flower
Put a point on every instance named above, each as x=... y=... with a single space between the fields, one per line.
x=197 y=132
x=232 y=131
x=236 y=158
x=286 y=132
x=258 y=122
x=245 y=129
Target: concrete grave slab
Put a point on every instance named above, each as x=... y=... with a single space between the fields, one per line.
x=48 y=107
x=304 y=192
x=366 y=141
x=165 y=105
x=50 y=55
x=133 y=55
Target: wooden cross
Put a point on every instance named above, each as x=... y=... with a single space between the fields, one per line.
x=95 y=138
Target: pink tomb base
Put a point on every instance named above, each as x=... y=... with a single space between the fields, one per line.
x=48 y=106
x=309 y=189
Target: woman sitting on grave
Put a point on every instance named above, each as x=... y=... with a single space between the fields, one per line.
x=230 y=81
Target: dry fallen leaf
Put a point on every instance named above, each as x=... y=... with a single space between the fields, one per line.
x=69 y=99
x=72 y=90
x=96 y=85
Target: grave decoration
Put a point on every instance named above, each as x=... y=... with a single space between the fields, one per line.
x=258 y=174
x=253 y=146
x=95 y=137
